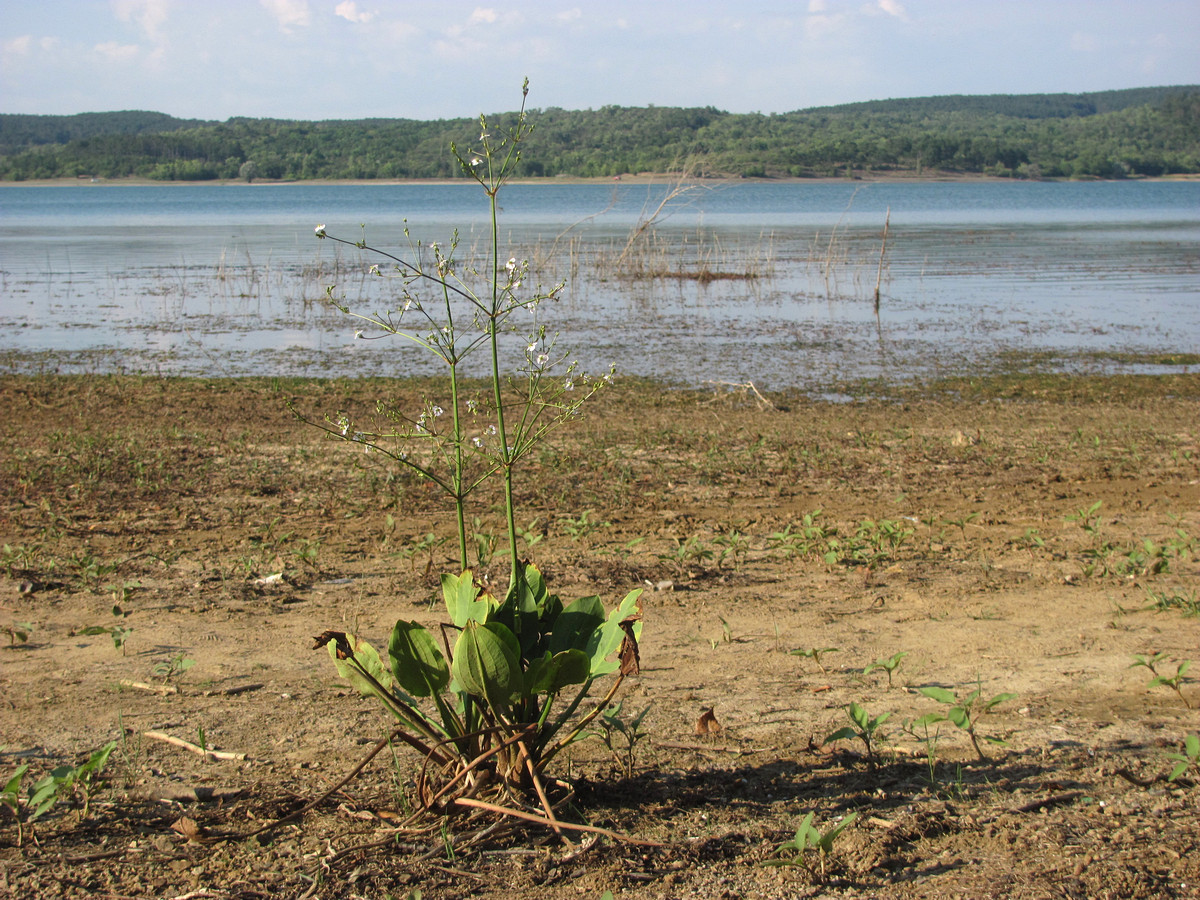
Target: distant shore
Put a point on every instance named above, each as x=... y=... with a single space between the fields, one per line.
x=642 y=178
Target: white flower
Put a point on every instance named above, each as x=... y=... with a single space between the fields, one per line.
x=542 y=359
x=491 y=429
x=478 y=442
x=319 y=231
x=568 y=385
x=472 y=406
x=531 y=348
x=475 y=160
x=437 y=411
x=358 y=335
x=511 y=264
x=374 y=270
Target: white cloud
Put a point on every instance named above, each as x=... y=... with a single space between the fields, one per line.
x=18 y=46
x=349 y=11
x=149 y=15
x=288 y=13
x=569 y=15
x=482 y=15
x=1083 y=42
x=817 y=6
x=114 y=52
x=893 y=8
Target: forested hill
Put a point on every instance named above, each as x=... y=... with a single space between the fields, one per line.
x=1111 y=134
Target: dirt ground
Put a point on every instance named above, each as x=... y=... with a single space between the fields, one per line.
x=1025 y=535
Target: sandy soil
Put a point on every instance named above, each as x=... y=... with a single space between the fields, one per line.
x=957 y=524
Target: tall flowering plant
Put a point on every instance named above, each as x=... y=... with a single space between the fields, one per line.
x=492 y=697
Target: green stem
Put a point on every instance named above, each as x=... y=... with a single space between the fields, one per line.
x=459 y=495
x=506 y=455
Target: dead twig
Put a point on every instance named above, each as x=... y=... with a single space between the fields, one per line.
x=152 y=688
x=194 y=748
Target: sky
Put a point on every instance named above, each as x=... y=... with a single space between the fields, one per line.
x=432 y=59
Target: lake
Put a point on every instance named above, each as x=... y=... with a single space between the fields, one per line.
x=975 y=276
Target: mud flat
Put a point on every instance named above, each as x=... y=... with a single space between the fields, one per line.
x=1022 y=534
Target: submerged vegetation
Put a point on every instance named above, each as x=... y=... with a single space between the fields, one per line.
x=1111 y=134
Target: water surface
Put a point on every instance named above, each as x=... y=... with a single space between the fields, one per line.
x=231 y=279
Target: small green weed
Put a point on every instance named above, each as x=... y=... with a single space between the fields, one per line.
x=966 y=712
x=865 y=728
x=1186 y=603
x=621 y=736
x=815 y=653
x=59 y=784
x=172 y=668
x=18 y=632
x=889 y=664
x=582 y=528
x=1188 y=759
x=1173 y=682
x=809 y=838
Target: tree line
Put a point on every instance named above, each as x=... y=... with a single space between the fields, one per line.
x=1112 y=134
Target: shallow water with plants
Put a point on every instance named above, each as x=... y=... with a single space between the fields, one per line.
x=737 y=282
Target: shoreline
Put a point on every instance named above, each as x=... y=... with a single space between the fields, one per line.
x=642 y=178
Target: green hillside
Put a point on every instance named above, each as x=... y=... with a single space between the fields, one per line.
x=1111 y=134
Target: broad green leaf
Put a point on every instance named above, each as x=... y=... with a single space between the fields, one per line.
x=960 y=718
x=998 y=699
x=97 y=761
x=606 y=640
x=841 y=734
x=368 y=658
x=1191 y=746
x=463 y=602
x=417 y=664
x=486 y=664
x=13 y=786
x=826 y=841
x=859 y=716
x=576 y=624
x=550 y=674
x=940 y=694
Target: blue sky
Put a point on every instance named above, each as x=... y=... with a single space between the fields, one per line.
x=335 y=59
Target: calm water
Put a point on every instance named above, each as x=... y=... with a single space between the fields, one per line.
x=229 y=279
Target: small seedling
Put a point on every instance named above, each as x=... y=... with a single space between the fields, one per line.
x=118 y=633
x=814 y=654
x=1186 y=603
x=18 y=632
x=583 y=527
x=1088 y=519
x=734 y=544
x=531 y=534
x=808 y=838
x=865 y=728
x=965 y=713
x=173 y=667
x=1188 y=759
x=889 y=665
x=1171 y=681
x=919 y=728
x=631 y=734
x=123 y=591
x=64 y=781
